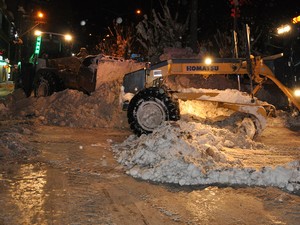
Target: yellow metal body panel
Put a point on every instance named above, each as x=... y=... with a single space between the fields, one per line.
x=203 y=69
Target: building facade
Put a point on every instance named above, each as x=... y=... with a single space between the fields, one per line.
x=7 y=32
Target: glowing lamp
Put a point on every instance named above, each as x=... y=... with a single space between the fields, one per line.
x=207 y=61
x=283 y=29
x=68 y=37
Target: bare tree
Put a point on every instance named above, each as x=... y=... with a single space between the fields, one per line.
x=119 y=41
x=162 y=31
x=224 y=42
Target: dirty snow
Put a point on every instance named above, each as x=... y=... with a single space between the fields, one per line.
x=14 y=143
x=187 y=152
x=228 y=95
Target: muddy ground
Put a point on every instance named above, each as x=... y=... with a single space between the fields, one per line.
x=72 y=177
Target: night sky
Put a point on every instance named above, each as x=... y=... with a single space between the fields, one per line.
x=98 y=15
x=65 y=15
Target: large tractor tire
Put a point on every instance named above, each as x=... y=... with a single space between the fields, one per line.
x=149 y=108
x=45 y=84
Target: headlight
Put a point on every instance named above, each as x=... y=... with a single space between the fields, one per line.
x=207 y=60
x=297 y=93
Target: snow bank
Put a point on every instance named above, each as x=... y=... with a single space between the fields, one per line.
x=75 y=109
x=189 y=153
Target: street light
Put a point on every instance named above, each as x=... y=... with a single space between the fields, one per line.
x=40 y=15
x=37 y=33
x=138 y=11
x=283 y=29
x=68 y=37
x=39 y=18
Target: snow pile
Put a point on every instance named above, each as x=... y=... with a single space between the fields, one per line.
x=228 y=95
x=208 y=110
x=13 y=143
x=76 y=109
x=73 y=108
x=203 y=110
x=241 y=100
x=192 y=153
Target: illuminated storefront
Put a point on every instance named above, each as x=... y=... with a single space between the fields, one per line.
x=4 y=70
x=6 y=34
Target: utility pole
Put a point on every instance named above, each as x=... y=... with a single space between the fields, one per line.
x=235 y=13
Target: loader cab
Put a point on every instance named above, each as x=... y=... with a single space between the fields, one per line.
x=47 y=46
x=54 y=46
